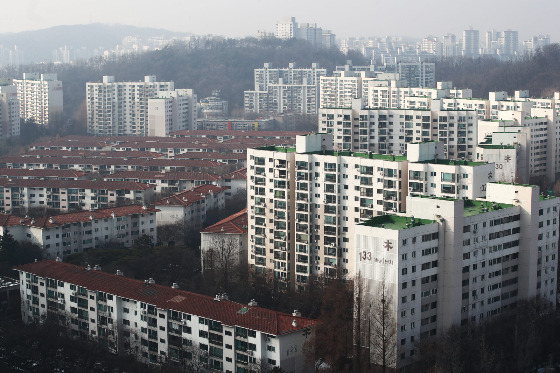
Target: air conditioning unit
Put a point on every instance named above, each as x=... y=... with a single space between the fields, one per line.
x=370 y=205
x=184 y=322
x=250 y=352
x=144 y=312
x=410 y=189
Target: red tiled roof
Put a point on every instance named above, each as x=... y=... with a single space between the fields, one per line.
x=180 y=163
x=188 y=197
x=84 y=216
x=225 y=311
x=210 y=155
x=217 y=133
x=92 y=154
x=153 y=175
x=240 y=174
x=158 y=162
x=7 y=220
x=39 y=172
x=77 y=184
x=236 y=223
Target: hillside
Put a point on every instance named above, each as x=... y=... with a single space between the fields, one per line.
x=38 y=45
x=540 y=73
x=227 y=65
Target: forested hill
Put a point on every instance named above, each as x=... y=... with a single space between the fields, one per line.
x=227 y=65
x=540 y=73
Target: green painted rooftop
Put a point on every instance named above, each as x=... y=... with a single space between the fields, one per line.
x=395 y=222
x=480 y=207
x=386 y=157
x=454 y=162
x=490 y=146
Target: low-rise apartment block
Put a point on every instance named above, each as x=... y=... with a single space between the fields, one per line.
x=225 y=243
x=20 y=195
x=158 y=323
x=166 y=181
x=191 y=206
x=65 y=234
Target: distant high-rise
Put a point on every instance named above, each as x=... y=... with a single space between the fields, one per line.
x=471 y=43
x=9 y=112
x=290 y=29
x=121 y=108
x=285 y=90
x=503 y=43
x=172 y=111
x=40 y=97
x=536 y=42
x=449 y=46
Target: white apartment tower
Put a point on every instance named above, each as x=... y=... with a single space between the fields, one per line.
x=285 y=90
x=121 y=108
x=172 y=111
x=305 y=201
x=286 y=29
x=387 y=131
x=458 y=262
x=40 y=97
x=290 y=29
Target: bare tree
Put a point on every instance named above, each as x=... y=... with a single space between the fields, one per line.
x=223 y=258
x=383 y=329
x=197 y=360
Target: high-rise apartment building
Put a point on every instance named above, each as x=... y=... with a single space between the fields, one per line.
x=471 y=43
x=290 y=29
x=388 y=131
x=449 y=47
x=9 y=112
x=451 y=262
x=40 y=97
x=305 y=201
x=121 y=108
x=285 y=90
x=502 y=43
x=172 y=111
x=536 y=42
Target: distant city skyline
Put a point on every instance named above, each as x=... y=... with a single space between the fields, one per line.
x=246 y=17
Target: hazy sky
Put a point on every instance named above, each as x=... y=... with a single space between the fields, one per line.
x=416 y=18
